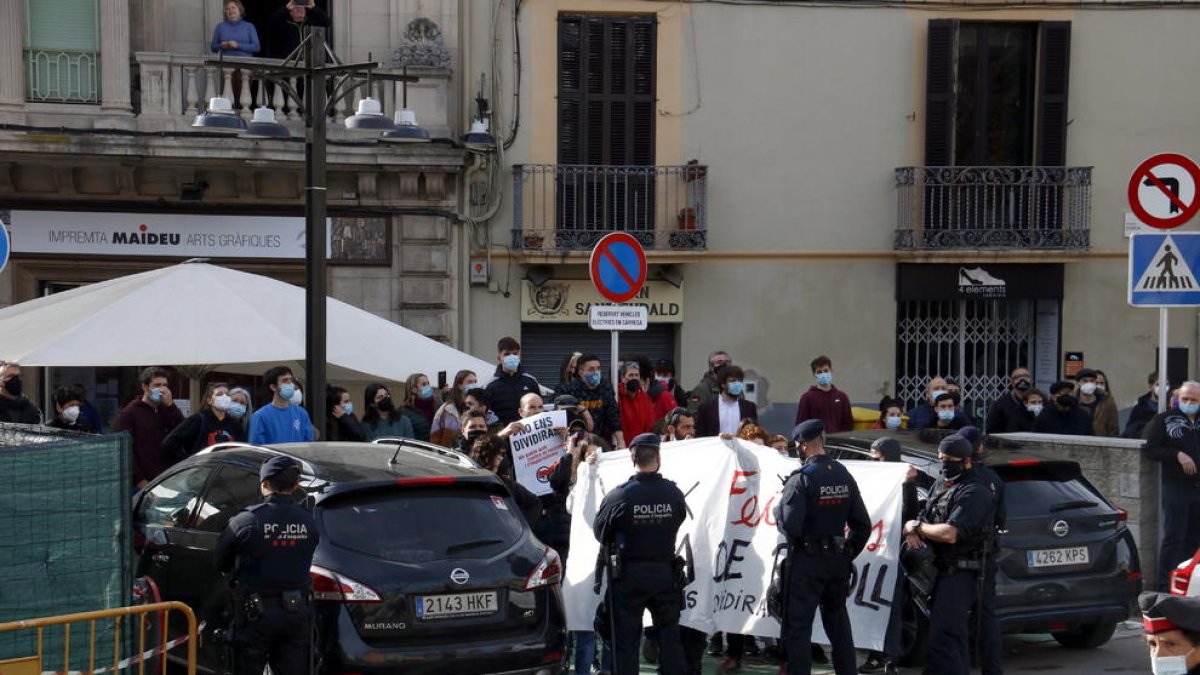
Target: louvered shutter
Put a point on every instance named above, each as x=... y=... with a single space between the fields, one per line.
x=1054 y=59
x=939 y=92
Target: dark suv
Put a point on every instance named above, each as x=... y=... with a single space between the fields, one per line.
x=1067 y=563
x=425 y=563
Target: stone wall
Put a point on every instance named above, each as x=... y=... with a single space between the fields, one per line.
x=1116 y=467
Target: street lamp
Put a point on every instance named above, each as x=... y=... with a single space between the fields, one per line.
x=315 y=74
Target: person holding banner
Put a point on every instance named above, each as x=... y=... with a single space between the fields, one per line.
x=638 y=523
x=956 y=524
x=825 y=521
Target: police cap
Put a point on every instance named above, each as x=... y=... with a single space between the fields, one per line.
x=646 y=441
x=277 y=465
x=888 y=447
x=808 y=430
x=1162 y=612
x=972 y=434
x=956 y=446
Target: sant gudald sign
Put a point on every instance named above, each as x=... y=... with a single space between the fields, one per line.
x=569 y=301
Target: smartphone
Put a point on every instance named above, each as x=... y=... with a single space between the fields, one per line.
x=441 y=379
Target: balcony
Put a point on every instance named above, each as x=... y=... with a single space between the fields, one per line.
x=561 y=207
x=993 y=207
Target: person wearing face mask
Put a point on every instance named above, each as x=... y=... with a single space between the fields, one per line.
x=1105 y=418
x=510 y=381
x=1144 y=410
x=708 y=389
x=68 y=414
x=1008 y=413
x=1035 y=403
x=825 y=402
x=280 y=421
x=241 y=403
x=419 y=405
x=990 y=637
x=148 y=419
x=662 y=398
x=595 y=395
x=1063 y=415
x=381 y=419
x=664 y=378
x=947 y=414
x=956 y=523
x=445 y=425
x=637 y=411
x=724 y=414
x=14 y=406
x=1172 y=625
x=1173 y=440
x=211 y=425
x=340 y=421
x=922 y=415
x=891 y=415
x=474 y=425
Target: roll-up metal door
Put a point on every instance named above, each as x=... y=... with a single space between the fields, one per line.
x=544 y=347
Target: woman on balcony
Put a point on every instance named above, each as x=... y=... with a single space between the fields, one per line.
x=236 y=37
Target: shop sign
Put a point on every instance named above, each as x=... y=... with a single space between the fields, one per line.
x=570 y=301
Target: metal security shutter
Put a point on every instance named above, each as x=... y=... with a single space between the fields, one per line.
x=545 y=346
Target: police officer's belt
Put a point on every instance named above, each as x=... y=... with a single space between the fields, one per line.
x=819 y=545
x=955 y=564
x=644 y=559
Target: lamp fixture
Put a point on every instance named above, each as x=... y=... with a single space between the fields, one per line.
x=369 y=117
x=479 y=138
x=220 y=116
x=264 y=125
x=407 y=130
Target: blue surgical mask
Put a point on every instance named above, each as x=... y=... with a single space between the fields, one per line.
x=946 y=415
x=156 y=395
x=348 y=408
x=511 y=362
x=236 y=410
x=736 y=388
x=824 y=379
x=1189 y=408
x=592 y=379
x=426 y=393
x=892 y=422
x=287 y=391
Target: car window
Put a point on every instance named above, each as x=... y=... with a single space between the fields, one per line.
x=1038 y=494
x=415 y=527
x=171 y=501
x=228 y=493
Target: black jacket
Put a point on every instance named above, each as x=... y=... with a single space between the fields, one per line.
x=1074 y=421
x=506 y=391
x=708 y=417
x=1170 y=434
x=345 y=428
x=285 y=35
x=1007 y=415
x=199 y=431
x=19 y=410
x=1143 y=411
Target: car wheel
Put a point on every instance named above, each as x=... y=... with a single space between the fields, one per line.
x=914 y=631
x=1087 y=636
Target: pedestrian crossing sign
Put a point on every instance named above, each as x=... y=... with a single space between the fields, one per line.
x=1162 y=269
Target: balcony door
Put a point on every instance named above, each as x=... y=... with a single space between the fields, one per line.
x=606 y=110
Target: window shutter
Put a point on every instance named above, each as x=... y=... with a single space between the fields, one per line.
x=570 y=100
x=939 y=92
x=643 y=53
x=1054 y=58
x=62 y=25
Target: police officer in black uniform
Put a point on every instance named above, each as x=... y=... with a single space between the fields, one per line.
x=820 y=501
x=990 y=639
x=267 y=551
x=956 y=523
x=639 y=521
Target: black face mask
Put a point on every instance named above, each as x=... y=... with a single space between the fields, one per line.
x=385 y=404
x=633 y=386
x=952 y=470
x=13 y=386
x=1067 y=401
x=1023 y=385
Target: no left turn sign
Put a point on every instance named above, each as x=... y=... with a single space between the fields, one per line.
x=1162 y=190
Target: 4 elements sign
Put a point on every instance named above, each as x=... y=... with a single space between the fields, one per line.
x=1162 y=190
x=1162 y=269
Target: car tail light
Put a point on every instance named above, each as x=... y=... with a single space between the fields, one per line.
x=1025 y=462
x=417 y=481
x=1181 y=576
x=547 y=573
x=333 y=587
x=1122 y=514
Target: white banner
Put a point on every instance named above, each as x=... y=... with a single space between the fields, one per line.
x=157 y=234
x=535 y=450
x=730 y=536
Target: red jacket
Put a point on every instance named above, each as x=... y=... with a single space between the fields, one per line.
x=831 y=407
x=637 y=414
x=664 y=404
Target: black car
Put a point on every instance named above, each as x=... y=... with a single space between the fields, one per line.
x=425 y=563
x=1068 y=564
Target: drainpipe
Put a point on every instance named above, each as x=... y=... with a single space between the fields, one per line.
x=464 y=196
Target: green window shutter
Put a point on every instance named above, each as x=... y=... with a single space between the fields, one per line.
x=66 y=25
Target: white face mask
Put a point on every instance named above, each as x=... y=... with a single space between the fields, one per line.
x=70 y=414
x=298 y=397
x=1169 y=665
x=1088 y=388
x=1034 y=408
x=221 y=402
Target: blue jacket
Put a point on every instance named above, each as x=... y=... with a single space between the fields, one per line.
x=242 y=32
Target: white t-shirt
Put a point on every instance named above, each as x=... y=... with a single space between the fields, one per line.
x=729 y=413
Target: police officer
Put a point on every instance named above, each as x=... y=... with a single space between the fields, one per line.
x=990 y=639
x=267 y=551
x=639 y=521
x=820 y=502
x=956 y=523
x=1172 y=624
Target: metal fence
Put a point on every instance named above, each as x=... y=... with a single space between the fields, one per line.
x=572 y=206
x=1026 y=207
x=62 y=76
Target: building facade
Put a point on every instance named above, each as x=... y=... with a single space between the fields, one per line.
x=911 y=190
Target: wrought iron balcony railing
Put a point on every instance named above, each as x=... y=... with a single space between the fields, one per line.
x=996 y=207
x=569 y=207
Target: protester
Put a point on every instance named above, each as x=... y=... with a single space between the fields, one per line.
x=1105 y=418
x=340 y=421
x=637 y=411
x=1064 y=416
x=419 y=405
x=1144 y=410
x=510 y=381
x=148 y=419
x=922 y=414
x=209 y=426
x=1035 y=403
x=1173 y=440
x=566 y=371
x=596 y=395
x=708 y=389
x=825 y=402
x=1008 y=413
x=781 y=445
x=664 y=378
x=444 y=429
x=478 y=399
x=949 y=417
x=68 y=414
x=14 y=406
x=725 y=413
x=1102 y=384
x=241 y=404
x=87 y=411
x=381 y=419
x=891 y=415
x=280 y=421
x=490 y=452
x=681 y=425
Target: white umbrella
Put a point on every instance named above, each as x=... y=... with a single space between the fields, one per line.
x=205 y=315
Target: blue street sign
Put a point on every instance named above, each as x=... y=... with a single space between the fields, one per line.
x=1162 y=269
x=5 y=249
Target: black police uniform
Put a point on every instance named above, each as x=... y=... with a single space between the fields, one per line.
x=965 y=502
x=819 y=502
x=268 y=550
x=1165 y=613
x=641 y=518
x=990 y=638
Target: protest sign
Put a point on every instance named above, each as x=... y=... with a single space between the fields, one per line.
x=536 y=448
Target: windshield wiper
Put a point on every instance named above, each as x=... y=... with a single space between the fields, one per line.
x=454 y=548
x=1077 y=504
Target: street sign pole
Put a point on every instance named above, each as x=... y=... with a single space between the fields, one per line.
x=1162 y=359
x=618 y=270
x=616 y=343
